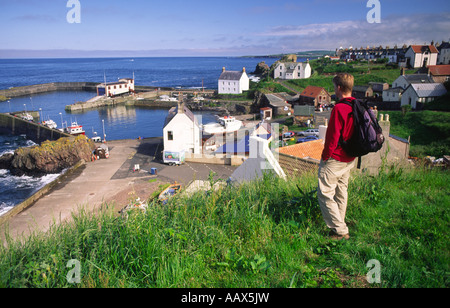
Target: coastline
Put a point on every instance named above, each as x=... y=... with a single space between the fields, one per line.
x=107 y=181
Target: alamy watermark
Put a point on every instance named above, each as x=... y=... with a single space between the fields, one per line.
x=374 y=274
x=374 y=15
x=74 y=275
x=74 y=14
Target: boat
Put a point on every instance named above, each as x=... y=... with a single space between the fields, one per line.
x=169 y=192
x=50 y=124
x=224 y=125
x=75 y=129
x=27 y=117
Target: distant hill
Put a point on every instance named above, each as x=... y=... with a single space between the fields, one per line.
x=301 y=54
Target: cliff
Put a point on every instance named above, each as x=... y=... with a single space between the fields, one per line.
x=49 y=157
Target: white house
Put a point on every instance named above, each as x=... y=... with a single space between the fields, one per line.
x=292 y=70
x=422 y=93
x=182 y=131
x=405 y=80
x=122 y=86
x=233 y=82
x=444 y=53
x=421 y=55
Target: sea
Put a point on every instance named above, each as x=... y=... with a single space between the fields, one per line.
x=118 y=122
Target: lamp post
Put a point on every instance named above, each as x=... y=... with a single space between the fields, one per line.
x=104 y=135
x=62 y=126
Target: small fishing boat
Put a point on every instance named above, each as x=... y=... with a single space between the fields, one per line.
x=27 y=117
x=224 y=125
x=169 y=192
x=50 y=124
x=75 y=129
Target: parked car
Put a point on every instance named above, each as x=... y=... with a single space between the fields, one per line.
x=306 y=139
x=310 y=132
x=288 y=135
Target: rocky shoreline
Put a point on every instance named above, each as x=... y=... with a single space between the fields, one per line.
x=49 y=157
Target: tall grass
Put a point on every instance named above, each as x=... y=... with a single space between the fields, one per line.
x=268 y=233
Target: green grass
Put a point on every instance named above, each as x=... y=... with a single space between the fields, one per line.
x=267 y=233
x=429 y=131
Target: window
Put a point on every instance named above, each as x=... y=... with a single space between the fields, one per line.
x=170 y=136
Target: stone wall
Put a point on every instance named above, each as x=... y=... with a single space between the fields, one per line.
x=33 y=131
x=49 y=87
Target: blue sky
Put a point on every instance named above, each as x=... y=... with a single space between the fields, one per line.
x=213 y=28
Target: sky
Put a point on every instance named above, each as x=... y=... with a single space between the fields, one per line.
x=40 y=28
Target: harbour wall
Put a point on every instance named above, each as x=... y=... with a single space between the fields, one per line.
x=35 y=132
x=49 y=87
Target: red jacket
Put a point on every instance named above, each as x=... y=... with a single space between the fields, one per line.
x=341 y=123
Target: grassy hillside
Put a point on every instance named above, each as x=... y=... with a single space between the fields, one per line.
x=429 y=131
x=267 y=233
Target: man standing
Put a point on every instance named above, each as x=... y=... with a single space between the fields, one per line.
x=335 y=167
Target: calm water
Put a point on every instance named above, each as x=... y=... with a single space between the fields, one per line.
x=120 y=122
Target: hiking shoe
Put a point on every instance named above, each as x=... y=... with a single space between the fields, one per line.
x=334 y=236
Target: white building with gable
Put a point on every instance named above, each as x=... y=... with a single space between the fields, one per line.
x=182 y=131
x=233 y=82
x=292 y=70
x=422 y=93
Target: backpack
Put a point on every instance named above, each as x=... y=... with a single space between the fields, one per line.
x=367 y=136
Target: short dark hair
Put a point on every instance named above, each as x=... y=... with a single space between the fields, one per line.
x=345 y=81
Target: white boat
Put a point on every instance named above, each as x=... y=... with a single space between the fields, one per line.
x=75 y=129
x=50 y=124
x=225 y=125
x=27 y=117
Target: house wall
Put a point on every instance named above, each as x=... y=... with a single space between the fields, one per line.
x=389 y=96
x=301 y=71
x=234 y=86
x=400 y=82
x=186 y=135
x=417 y=59
x=409 y=97
x=244 y=83
x=444 y=56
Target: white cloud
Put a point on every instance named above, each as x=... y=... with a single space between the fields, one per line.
x=394 y=29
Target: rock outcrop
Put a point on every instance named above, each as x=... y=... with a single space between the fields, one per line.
x=49 y=157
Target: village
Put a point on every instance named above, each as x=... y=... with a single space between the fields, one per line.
x=238 y=143
x=286 y=129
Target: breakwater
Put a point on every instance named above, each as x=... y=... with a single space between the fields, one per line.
x=35 y=132
x=49 y=87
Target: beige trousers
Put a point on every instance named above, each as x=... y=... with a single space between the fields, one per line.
x=332 y=193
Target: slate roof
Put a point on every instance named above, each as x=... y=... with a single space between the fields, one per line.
x=174 y=111
x=277 y=101
x=429 y=89
x=419 y=78
x=231 y=75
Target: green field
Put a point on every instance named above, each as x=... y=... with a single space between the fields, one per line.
x=266 y=234
x=429 y=131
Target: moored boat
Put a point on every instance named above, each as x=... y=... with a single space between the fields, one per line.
x=169 y=192
x=75 y=129
x=224 y=125
x=50 y=124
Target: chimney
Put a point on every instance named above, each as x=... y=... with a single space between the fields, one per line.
x=402 y=71
x=223 y=69
x=180 y=103
x=243 y=70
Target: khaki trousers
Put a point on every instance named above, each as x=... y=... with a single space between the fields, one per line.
x=332 y=193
